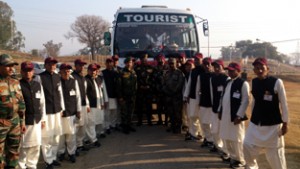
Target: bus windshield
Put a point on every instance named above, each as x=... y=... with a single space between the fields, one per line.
x=153 y=38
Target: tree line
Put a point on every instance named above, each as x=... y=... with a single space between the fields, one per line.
x=89 y=30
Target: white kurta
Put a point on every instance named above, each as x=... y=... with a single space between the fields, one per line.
x=268 y=136
x=33 y=135
x=229 y=131
x=193 y=109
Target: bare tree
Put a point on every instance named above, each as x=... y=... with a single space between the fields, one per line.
x=89 y=30
x=52 y=49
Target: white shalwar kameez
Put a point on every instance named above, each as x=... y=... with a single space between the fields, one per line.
x=82 y=122
x=91 y=116
x=268 y=138
x=205 y=117
x=215 y=122
x=51 y=132
x=233 y=135
x=193 y=113
x=31 y=140
x=68 y=137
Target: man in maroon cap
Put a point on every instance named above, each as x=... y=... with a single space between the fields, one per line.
x=158 y=75
x=269 y=119
x=115 y=59
x=100 y=116
x=235 y=101
x=72 y=109
x=217 y=84
x=94 y=103
x=85 y=108
x=54 y=107
x=205 y=110
x=110 y=79
x=35 y=117
x=191 y=97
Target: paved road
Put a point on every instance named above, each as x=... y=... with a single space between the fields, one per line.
x=151 y=147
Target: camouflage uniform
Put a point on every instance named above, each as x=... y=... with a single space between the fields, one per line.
x=173 y=84
x=126 y=89
x=159 y=75
x=12 y=107
x=145 y=83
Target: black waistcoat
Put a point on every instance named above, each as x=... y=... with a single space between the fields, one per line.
x=235 y=103
x=69 y=93
x=91 y=91
x=194 y=74
x=51 y=83
x=265 y=113
x=31 y=92
x=205 y=98
x=218 y=82
x=80 y=80
x=110 y=79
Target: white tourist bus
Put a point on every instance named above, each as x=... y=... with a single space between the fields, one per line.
x=153 y=30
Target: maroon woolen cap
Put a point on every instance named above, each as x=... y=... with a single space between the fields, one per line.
x=27 y=65
x=190 y=61
x=207 y=60
x=262 y=61
x=182 y=55
x=115 y=57
x=198 y=56
x=98 y=66
x=65 y=66
x=233 y=66
x=50 y=60
x=218 y=62
x=79 y=62
x=93 y=66
x=108 y=60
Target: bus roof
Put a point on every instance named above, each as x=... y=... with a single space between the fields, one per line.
x=153 y=9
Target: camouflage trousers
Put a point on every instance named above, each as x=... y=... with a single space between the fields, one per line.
x=173 y=110
x=127 y=109
x=10 y=135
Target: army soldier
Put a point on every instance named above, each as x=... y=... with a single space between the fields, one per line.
x=158 y=76
x=173 y=85
x=54 y=106
x=85 y=108
x=145 y=83
x=35 y=117
x=12 y=108
x=126 y=93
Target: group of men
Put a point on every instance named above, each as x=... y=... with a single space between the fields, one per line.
x=216 y=104
x=63 y=112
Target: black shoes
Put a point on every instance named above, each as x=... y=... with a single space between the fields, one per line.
x=207 y=143
x=56 y=163
x=236 y=164
x=96 y=144
x=49 y=166
x=61 y=157
x=72 y=158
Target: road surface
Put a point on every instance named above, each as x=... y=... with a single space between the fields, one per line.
x=151 y=147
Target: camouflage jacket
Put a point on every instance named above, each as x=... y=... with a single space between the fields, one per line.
x=173 y=83
x=12 y=101
x=126 y=83
x=145 y=77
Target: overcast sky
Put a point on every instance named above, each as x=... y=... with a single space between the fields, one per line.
x=229 y=20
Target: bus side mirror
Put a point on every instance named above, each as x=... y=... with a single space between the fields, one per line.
x=205 y=28
x=107 y=38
